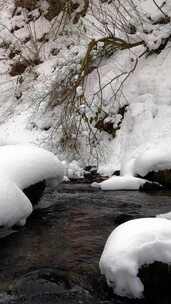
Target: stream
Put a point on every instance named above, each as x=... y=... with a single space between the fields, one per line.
x=54 y=258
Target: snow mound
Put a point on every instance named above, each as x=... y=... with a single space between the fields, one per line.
x=131 y=245
x=121 y=183
x=154 y=159
x=26 y=165
x=15 y=207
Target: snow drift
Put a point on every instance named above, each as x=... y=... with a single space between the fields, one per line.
x=131 y=245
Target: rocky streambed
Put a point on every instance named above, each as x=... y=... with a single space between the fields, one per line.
x=54 y=258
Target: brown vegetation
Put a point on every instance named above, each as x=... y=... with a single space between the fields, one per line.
x=29 y=4
x=55 y=7
x=18 y=68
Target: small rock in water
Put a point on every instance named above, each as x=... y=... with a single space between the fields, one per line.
x=150 y=187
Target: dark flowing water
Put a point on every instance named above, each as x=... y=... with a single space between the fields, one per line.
x=54 y=258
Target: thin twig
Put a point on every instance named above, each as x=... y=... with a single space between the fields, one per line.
x=160 y=9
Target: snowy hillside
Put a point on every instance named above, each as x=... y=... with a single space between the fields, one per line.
x=36 y=65
x=110 y=117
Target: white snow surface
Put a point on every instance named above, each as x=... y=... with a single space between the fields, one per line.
x=26 y=165
x=155 y=159
x=15 y=207
x=131 y=245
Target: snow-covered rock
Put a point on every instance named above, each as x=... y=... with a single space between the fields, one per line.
x=131 y=245
x=22 y=166
x=15 y=207
x=26 y=165
x=121 y=183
